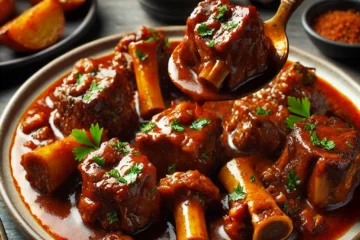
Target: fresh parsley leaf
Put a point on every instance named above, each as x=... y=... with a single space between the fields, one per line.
x=200 y=123
x=112 y=217
x=230 y=25
x=116 y=174
x=175 y=125
x=261 y=111
x=125 y=151
x=310 y=127
x=99 y=161
x=314 y=139
x=222 y=10
x=140 y=55
x=252 y=178
x=204 y=31
x=145 y=128
x=136 y=153
x=82 y=137
x=300 y=107
x=293 y=181
x=96 y=133
x=348 y=144
x=150 y=39
x=95 y=87
x=171 y=169
x=118 y=146
x=238 y=193
x=78 y=78
x=211 y=43
x=81 y=152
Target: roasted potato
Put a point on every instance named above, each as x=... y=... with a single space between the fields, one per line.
x=6 y=9
x=68 y=5
x=36 y=28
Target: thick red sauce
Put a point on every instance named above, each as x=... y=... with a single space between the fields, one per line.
x=58 y=214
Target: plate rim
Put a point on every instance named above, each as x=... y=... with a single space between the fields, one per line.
x=58 y=46
x=36 y=79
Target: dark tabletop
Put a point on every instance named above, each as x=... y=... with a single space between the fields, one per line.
x=115 y=16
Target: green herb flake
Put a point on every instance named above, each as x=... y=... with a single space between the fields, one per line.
x=222 y=10
x=145 y=128
x=132 y=175
x=310 y=127
x=112 y=217
x=230 y=25
x=200 y=123
x=140 y=55
x=349 y=144
x=99 y=161
x=252 y=178
x=171 y=169
x=300 y=107
x=78 y=78
x=119 y=146
x=125 y=151
x=176 y=126
x=136 y=153
x=211 y=43
x=204 y=156
x=150 y=39
x=238 y=193
x=204 y=31
x=90 y=144
x=293 y=181
x=324 y=143
x=261 y=111
x=167 y=43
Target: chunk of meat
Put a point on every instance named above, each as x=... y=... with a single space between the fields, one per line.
x=257 y=123
x=95 y=93
x=119 y=188
x=322 y=155
x=182 y=138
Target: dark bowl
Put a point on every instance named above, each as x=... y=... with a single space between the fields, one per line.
x=326 y=46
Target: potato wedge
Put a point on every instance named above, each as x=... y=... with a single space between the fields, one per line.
x=36 y=28
x=7 y=7
x=67 y=5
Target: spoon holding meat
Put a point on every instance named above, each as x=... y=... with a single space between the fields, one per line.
x=228 y=51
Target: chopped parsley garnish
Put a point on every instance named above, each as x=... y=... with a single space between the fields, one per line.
x=204 y=31
x=175 y=125
x=129 y=177
x=326 y=144
x=200 y=123
x=94 y=88
x=348 y=144
x=310 y=127
x=136 y=153
x=150 y=39
x=140 y=55
x=112 y=217
x=204 y=156
x=78 y=78
x=211 y=43
x=222 y=10
x=293 y=181
x=230 y=25
x=125 y=151
x=238 y=193
x=300 y=107
x=252 y=178
x=171 y=169
x=118 y=146
x=261 y=111
x=145 y=128
x=167 y=43
x=91 y=144
x=99 y=161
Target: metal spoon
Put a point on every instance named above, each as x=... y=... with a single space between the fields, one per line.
x=275 y=30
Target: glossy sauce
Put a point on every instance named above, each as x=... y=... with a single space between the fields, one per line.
x=58 y=214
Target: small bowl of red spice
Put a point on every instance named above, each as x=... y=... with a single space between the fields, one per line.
x=334 y=27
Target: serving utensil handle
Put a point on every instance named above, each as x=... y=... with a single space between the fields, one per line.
x=284 y=12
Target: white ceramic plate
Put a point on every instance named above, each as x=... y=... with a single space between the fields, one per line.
x=57 y=68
